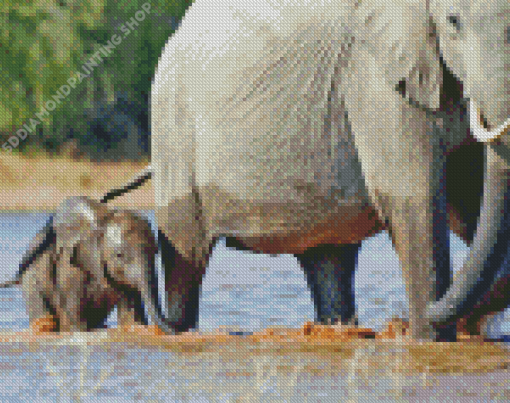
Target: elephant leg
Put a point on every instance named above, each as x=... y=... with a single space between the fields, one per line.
x=420 y=234
x=42 y=315
x=130 y=311
x=484 y=274
x=183 y=279
x=330 y=274
x=403 y=165
x=38 y=292
x=70 y=294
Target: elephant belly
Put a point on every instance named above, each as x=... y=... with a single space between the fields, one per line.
x=288 y=225
x=351 y=227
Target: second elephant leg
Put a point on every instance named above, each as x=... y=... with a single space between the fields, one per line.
x=330 y=274
x=37 y=292
x=70 y=294
x=402 y=161
x=130 y=311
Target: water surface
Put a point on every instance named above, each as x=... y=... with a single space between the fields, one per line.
x=241 y=291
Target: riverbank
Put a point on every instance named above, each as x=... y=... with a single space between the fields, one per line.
x=42 y=183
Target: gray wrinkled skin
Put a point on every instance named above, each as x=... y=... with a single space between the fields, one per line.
x=284 y=127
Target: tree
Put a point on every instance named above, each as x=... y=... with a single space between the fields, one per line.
x=43 y=43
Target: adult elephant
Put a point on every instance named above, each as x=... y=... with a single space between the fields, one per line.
x=304 y=128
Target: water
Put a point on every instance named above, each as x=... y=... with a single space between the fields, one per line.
x=241 y=291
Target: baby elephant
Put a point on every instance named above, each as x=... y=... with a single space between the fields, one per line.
x=86 y=261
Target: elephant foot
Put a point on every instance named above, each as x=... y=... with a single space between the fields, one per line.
x=419 y=334
x=422 y=331
x=396 y=328
x=44 y=324
x=330 y=274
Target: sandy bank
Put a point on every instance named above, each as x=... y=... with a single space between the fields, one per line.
x=42 y=183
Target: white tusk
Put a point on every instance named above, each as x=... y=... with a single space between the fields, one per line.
x=481 y=134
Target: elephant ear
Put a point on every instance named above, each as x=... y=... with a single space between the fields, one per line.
x=78 y=219
x=400 y=36
x=425 y=78
x=69 y=235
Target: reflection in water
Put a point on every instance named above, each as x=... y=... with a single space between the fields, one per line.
x=84 y=367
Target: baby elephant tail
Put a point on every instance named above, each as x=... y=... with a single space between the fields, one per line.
x=39 y=245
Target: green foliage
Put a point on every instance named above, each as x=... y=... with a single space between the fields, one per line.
x=43 y=43
x=40 y=47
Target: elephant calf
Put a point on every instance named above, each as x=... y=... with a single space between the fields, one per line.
x=86 y=261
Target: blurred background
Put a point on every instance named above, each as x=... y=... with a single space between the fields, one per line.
x=44 y=43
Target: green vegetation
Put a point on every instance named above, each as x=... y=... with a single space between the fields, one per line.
x=43 y=43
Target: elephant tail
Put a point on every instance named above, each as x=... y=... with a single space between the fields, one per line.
x=43 y=240
x=134 y=183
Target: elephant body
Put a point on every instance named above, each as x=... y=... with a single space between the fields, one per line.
x=268 y=144
x=97 y=258
x=304 y=128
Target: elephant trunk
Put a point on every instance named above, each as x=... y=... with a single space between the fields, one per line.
x=484 y=266
x=43 y=240
x=154 y=306
x=153 y=301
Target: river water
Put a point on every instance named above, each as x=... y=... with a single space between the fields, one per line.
x=241 y=291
